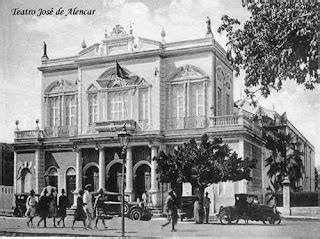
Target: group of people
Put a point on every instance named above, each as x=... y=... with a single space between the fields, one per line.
x=47 y=207
x=171 y=209
x=86 y=210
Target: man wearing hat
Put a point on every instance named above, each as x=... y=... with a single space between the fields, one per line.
x=87 y=199
x=206 y=204
x=172 y=210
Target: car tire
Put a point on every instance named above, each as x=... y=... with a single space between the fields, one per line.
x=126 y=209
x=135 y=215
x=271 y=220
x=224 y=217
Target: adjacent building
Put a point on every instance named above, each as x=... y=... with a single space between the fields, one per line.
x=167 y=93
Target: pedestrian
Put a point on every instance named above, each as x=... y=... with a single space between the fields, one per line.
x=172 y=210
x=87 y=199
x=43 y=207
x=31 y=207
x=79 y=214
x=206 y=205
x=53 y=206
x=62 y=207
x=100 y=209
x=144 y=198
x=196 y=211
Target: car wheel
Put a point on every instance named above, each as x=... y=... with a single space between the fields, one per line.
x=271 y=220
x=135 y=214
x=264 y=219
x=126 y=209
x=224 y=217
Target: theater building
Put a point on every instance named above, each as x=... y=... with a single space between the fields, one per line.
x=169 y=93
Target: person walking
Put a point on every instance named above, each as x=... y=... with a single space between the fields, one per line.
x=63 y=203
x=31 y=207
x=172 y=210
x=53 y=206
x=99 y=208
x=87 y=199
x=144 y=198
x=206 y=205
x=43 y=208
x=79 y=214
x=196 y=210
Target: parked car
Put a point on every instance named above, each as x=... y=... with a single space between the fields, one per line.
x=20 y=202
x=248 y=208
x=132 y=210
x=186 y=207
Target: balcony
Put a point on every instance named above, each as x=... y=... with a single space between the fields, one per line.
x=115 y=125
x=28 y=134
x=186 y=122
x=234 y=121
x=61 y=131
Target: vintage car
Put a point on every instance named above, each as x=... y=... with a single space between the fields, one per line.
x=186 y=207
x=248 y=208
x=132 y=210
x=20 y=204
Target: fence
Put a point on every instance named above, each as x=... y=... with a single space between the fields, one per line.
x=6 y=198
x=300 y=199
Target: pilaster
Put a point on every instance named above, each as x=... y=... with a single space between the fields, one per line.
x=129 y=174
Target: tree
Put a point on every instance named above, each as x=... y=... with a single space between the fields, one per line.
x=285 y=160
x=316 y=179
x=277 y=43
x=202 y=165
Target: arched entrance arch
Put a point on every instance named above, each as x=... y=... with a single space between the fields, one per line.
x=70 y=183
x=142 y=175
x=91 y=175
x=26 y=183
x=51 y=177
x=114 y=178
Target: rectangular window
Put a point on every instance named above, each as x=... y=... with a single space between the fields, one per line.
x=93 y=108
x=196 y=97
x=119 y=105
x=143 y=104
x=177 y=101
x=219 y=102
x=228 y=104
x=53 y=111
x=71 y=110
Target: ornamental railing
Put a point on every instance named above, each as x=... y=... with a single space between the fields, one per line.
x=28 y=134
x=61 y=131
x=187 y=122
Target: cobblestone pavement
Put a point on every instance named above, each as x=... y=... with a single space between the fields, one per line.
x=305 y=229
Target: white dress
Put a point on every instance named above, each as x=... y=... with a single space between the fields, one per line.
x=87 y=198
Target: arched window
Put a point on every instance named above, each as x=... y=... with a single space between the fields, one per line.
x=70 y=184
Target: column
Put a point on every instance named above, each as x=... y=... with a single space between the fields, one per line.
x=36 y=168
x=242 y=185
x=15 y=172
x=129 y=176
x=102 y=168
x=78 y=176
x=154 y=190
x=286 y=196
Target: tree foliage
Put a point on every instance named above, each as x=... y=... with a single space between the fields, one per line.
x=285 y=160
x=277 y=43
x=202 y=164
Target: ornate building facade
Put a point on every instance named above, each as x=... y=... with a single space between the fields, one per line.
x=171 y=92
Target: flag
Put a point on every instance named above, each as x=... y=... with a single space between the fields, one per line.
x=121 y=72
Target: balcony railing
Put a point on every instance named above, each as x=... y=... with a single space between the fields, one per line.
x=228 y=121
x=115 y=125
x=187 y=122
x=28 y=134
x=61 y=131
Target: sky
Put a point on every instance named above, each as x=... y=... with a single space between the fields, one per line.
x=22 y=36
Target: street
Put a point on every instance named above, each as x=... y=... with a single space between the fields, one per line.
x=17 y=227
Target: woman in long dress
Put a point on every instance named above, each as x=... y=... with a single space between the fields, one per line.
x=53 y=206
x=80 y=214
x=43 y=207
x=62 y=207
x=31 y=207
x=196 y=209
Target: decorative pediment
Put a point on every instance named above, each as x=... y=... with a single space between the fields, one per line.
x=61 y=86
x=92 y=87
x=187 y=72
x=109 y=79
x=118 y=32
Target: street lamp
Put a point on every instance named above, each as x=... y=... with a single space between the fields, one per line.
x=124 y=138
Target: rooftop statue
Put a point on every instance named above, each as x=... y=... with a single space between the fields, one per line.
x=45 y=50
x=209 y=31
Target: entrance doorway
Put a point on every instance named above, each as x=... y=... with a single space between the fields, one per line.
x=92 y=177
x=114 y=183
x=26 y=184
x=142 y=180
x=71 y=184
